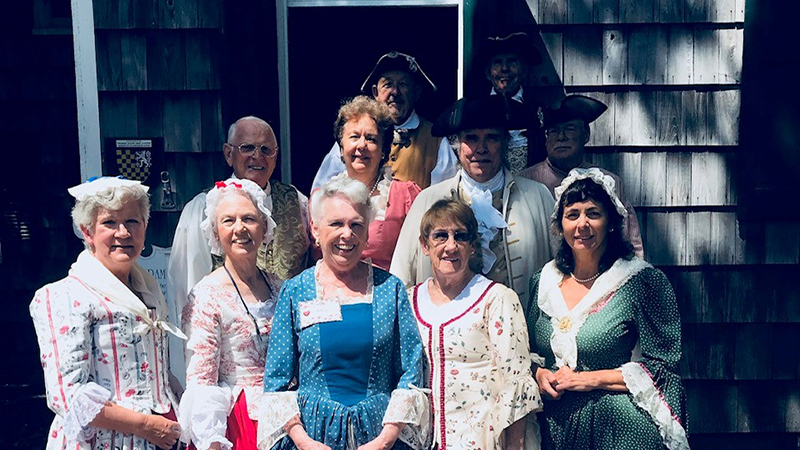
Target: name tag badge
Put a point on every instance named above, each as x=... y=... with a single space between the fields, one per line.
x=319 y=311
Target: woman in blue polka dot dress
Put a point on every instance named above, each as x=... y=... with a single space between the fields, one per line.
x=344 y=336
x=606 y=328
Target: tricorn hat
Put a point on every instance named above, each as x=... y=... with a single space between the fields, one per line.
x=488 y=111
x=573 y=107
x=397 y=61
x=517 y=43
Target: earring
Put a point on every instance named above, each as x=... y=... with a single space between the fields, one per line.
x=317 y=241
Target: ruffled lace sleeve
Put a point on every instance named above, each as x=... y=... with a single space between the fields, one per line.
x=409 y=404
x=652 y=379
x=204 y=414
x=63 y=328
x=279 y=404
x=519 y=394
x=205 y=406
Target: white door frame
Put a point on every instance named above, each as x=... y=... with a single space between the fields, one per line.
x=91 y=159
x=282 y=10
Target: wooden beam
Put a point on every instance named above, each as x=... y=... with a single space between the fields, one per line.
x=86 y=88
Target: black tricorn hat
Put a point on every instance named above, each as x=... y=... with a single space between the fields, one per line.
x=517 y=43
x=397 y=61
x=487 y=111
x=573 y=107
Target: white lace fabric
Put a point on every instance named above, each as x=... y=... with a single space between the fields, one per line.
x=85 y=406
x=203 y=415
x=338 y=296
x=282 y=408
x=563 y=340
x=411 y=407
x=647 y=397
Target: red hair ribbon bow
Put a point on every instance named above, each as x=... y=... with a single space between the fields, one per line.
x=221 y=184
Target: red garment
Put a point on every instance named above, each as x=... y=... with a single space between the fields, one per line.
x=242 y=430
x=383 y=234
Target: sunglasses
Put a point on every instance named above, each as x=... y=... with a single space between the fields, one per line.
x=439 y=237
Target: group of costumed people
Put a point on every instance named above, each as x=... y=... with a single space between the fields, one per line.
x=483 y=310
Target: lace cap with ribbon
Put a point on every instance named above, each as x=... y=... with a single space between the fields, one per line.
x=213 y=199
x=95 y=185
x=593 y=173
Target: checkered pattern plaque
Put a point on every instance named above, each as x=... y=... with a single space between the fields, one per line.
x=134 y=163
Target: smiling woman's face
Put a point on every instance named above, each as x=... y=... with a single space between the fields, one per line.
x=342 y=232
x=116 y=238
x=481 y=151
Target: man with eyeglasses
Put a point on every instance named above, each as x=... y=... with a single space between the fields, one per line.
x=251 y=151
x=398 y=81
x=513 y=213
x=567 y=131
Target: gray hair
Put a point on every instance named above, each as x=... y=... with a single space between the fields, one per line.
x=234 y=186
x=84 y=213
x=232 y=128
x=355 y=192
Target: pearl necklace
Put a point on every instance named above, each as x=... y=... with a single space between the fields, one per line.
x=375 y=186
x=587 y=280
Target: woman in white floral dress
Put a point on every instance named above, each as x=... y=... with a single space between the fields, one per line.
x=228 y=319
x=475 y=336
x=102 y=331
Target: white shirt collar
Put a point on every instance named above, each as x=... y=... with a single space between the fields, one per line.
x=495 y=184
x=411 y=123
x=517 y=96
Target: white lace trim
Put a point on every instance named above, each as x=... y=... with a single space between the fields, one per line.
x=278 y=409
x=337 y=296
x=411 y=407
x=567 y=323
x=537 y=359
x=381 y=201
x=84 y=407
x=647 y=396
x=203 y=415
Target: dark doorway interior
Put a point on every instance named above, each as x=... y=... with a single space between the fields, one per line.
x=331 y=52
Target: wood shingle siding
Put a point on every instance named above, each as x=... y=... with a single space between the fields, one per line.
x=671 y=73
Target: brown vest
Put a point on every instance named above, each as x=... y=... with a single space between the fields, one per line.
x=415 y=162
x=286 y=255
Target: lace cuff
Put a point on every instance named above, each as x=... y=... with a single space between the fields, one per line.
x=203 y=415
x=84 y=407
x=518 y=397
x=411 y=407
x=279 y=408
x=537 y=359
x=647 y=397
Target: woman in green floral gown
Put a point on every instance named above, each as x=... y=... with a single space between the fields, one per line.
x=606 y=329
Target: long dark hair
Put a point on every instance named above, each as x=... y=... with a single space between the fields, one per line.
x=617 y=245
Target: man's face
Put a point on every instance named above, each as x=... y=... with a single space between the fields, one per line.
x=481 y=152
x=256 y=167
x=506 y=72
x=397 y=89
x=565 y=141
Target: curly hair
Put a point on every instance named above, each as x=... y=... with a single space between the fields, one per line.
x=360 y=106
x=617 y=245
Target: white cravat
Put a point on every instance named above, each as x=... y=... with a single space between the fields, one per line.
x=490 y=220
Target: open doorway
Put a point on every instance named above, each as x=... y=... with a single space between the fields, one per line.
x=333 y=49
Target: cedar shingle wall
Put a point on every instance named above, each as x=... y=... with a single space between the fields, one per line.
x=671 y=73
x=158 y=73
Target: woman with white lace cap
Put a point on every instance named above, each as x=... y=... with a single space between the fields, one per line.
x=476 y=340
x=102 y=331
x=345 y=362
x=228 y=318
x=606 y=328
x=363 y=130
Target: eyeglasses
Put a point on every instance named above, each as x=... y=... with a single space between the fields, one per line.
x=250 y=149
x=570 y=131
x=440 y=237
